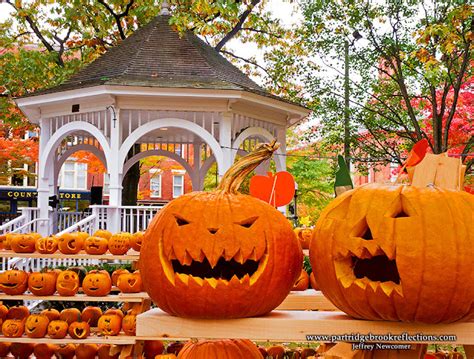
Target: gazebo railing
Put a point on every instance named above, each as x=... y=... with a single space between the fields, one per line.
x=26 y=222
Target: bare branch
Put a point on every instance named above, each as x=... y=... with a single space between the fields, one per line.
x=243 y=17
x=118 y=17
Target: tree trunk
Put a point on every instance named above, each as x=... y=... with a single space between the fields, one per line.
x=130 y=180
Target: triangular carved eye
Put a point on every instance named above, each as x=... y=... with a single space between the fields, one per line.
x=247 y=223
x=180 y=221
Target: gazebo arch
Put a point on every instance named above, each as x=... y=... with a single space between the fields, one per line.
x=61 y=133
x=170 y=122
x=264 y=135
x=81 y=147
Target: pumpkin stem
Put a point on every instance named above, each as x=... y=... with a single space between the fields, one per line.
x=236 y=174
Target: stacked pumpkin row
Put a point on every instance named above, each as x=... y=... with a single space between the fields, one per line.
x=64 y=351
x=17 y=321
x=96 y=283
x=73 y=243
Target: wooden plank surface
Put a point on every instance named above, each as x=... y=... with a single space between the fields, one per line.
x=131 y=255
x=93 y=339
x=287 y=326
x=309 y=299
x=121 y=297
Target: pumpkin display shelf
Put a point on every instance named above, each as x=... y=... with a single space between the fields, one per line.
x=129 y=346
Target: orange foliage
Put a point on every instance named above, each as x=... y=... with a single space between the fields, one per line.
x=94 y=165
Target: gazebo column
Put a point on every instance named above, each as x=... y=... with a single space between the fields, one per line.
x=196 y=174
x=115 y=172
x=225 y=141
x=45 y=178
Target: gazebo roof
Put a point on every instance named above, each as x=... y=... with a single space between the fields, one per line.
x=156 y=56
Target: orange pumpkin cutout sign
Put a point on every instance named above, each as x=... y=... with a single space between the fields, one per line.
x=276 y=189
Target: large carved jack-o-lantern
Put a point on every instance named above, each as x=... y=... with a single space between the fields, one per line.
x=210 y=254
x=397 y=253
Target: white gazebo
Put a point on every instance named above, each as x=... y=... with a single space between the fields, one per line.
x=164 y=92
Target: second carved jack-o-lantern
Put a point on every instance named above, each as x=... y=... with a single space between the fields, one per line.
x=67 y=283
x=136 y=241
x=129 y=324
x=130 y=282
x=47 y=245
x=14 y=282
x=24 y=243
x=119 y=243
x=110 y=324
x=96 y=245
x=79 y=330
x=397 y=253
x=57 y=329
x=97 y=283
x=210 y=254
x=71 y=243
x=42 y=283
x=13 y=328
x=36 y=326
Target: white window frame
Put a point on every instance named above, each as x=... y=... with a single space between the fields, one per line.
x=178 y=174
x=156 y=173
x=75 y=177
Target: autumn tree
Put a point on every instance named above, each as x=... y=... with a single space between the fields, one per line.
x=404 y=58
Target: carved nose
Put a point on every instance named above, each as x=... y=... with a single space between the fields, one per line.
x=213 y=230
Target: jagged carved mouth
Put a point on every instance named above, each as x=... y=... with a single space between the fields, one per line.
x=222 y=270
x=238 y=269
x=369 y=267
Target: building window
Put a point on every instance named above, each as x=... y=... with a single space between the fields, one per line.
x=73 y=175
x=155 y=184
x=105 y=189
x=178 y=185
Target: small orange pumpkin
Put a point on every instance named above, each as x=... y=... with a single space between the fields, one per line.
x=96 y=245
x=302 y=282
x=22 y=350
x=86 y=351
x=67 y=283
x=47 y=245
x=3 y=311
x=129 y=324
x=110 y=324
x=152 y=348
x=65 y=351
x=79 y=330
x=51 y=313
x=91 y=315
x=304 y=236
x=24 y=243
x=97 y=283
x=42 y=283
x=276 y=351
x=71 y=243
x=14 y=282
x=57 y=329
x=13 y=328
x=224 y=348
x=104 y=352
x=36 y=326
x=136 y=241
x=115 y=311
x=44 y=351
x=70 y=315
x=102 y=233
x=18 y=312
x=166 y=356
x=116 y=273
x=119 y=243
x=130 y=282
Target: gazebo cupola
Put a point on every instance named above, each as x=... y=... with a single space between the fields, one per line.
x=162 y=90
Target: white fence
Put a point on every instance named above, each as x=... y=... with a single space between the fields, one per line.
x=26 y=222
